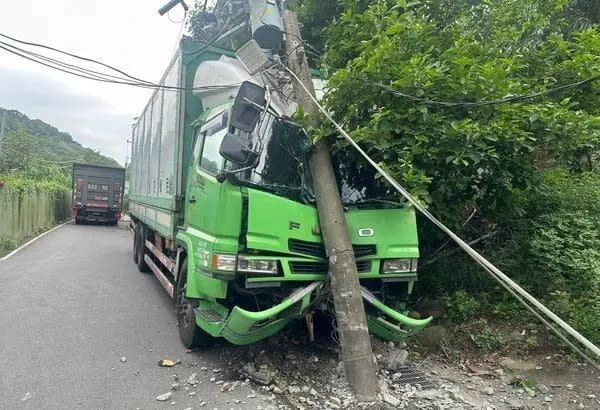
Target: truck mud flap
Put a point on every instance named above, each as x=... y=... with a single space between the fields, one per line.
x=389 y=324
x=245 y=327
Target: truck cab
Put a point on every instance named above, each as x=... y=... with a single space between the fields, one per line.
x=260 y=261
x=240 y=249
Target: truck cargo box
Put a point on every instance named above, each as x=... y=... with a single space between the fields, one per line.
x=97 y=193
x=163 y=139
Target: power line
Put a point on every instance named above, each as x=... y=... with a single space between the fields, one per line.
x=71 y=72
x=85 y=73
x=512 y=99
x=91 y=60
x=212 y=41
x=134 y=84
x=90 y=72
x=469 y=104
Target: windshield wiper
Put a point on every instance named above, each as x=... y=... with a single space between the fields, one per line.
x=281 y=189
x=367 y=201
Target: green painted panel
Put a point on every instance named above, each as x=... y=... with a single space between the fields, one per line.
x=395 y=231
x=273 y=220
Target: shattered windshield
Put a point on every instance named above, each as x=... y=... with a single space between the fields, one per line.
x=358 y=182
x=283 y=169
x=282 y=163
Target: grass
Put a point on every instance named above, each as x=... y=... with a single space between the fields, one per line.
x=7 y=245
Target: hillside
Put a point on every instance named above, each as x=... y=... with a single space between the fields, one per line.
x=33 y=144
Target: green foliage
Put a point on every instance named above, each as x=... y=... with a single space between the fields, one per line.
x=35 y=151
x=488 y=338
x=531 y=342
x=551 y=250
x=20 y=182
x=451 y=158
x=528 y=384
x=6 y=246
x=529 y=169
x=315 y=16
x=508 y=308
x=461 y=306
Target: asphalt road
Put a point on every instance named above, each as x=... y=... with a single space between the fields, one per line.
x=71 y=305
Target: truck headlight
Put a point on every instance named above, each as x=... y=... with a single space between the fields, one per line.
x=224 y=262
x=259 y=266
x=399 y=266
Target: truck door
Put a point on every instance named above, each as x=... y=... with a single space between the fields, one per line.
x=202 y=197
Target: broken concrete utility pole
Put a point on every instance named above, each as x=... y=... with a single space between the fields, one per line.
x=349 y=307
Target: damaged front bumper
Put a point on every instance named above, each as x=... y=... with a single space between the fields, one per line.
x=242 y=327
x=389 y=324
x=245 y=327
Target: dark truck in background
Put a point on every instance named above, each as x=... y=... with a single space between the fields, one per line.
x=97 y=193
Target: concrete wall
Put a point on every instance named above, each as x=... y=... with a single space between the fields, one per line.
x=26 y=213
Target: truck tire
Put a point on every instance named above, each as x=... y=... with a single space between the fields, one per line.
x=135 y=244
x=141 y=263
x=190 y=334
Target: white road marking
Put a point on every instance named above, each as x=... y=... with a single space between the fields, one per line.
x=33 y=240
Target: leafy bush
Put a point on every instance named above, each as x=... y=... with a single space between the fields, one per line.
x=461 y=306
x=552 y=250
x=6 y=246
x=489 y=339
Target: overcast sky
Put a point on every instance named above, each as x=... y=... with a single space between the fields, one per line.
x=128 y=34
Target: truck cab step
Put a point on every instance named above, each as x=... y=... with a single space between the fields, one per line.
x=211 y=316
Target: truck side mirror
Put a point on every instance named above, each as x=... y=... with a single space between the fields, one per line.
x=249 y=103
x=237 y=150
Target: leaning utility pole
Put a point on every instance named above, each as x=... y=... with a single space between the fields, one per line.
x=2 y=125
x=352 y=327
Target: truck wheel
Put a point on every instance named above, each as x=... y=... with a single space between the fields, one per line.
x=77 y=221
x=190 y=334
x=141 y=263
x=135 y=244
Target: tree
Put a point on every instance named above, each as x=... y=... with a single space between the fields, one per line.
x=460 y=156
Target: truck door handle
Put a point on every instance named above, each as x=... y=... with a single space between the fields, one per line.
x=192 y=199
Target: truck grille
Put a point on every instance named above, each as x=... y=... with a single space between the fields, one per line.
x=307 y=248
x=318 y=249
x=323 y=267
x=364 y=250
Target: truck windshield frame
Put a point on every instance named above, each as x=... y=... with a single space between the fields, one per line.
x=281 y=167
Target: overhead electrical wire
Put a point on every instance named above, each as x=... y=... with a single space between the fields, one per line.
x=63 y=64
x=469 y=104
x=91 y=60
x=73 y=73
x=131 y=80
x=92 y=75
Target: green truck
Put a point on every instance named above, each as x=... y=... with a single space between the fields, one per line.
x=223 y=214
